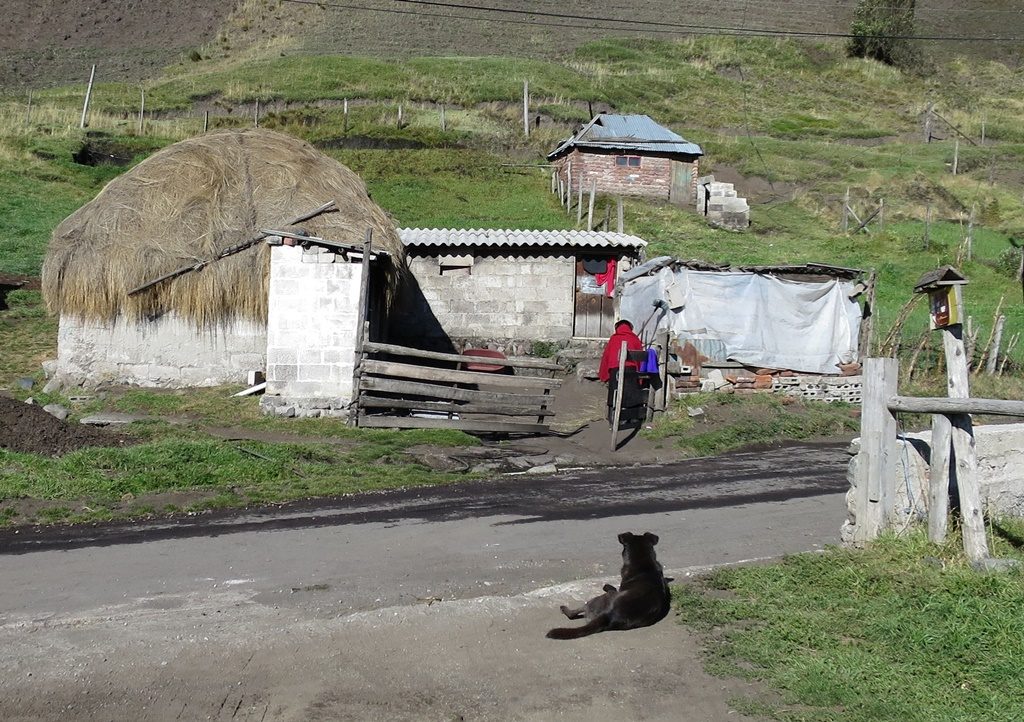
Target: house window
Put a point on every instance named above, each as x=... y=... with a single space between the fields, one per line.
x=632 y=161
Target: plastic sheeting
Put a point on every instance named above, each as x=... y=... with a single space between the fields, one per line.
x=761 y=320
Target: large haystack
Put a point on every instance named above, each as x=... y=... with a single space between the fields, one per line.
x=189 y=202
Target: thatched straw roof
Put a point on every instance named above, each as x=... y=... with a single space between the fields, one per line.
x=189 y=202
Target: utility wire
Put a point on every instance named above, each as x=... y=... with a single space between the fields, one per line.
x=655 y=25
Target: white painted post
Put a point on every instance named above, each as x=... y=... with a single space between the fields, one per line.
x=88 y=96
x=142 y=110
x=875 y=485
x=590 y=205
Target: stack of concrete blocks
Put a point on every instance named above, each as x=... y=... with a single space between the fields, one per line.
x=719 y=203
x=311 y=332
x=820 y=388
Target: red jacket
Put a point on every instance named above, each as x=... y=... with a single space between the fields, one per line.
x=610 y=358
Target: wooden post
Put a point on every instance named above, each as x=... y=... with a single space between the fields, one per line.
x=568 y=187
x=344 y=116
x=526 y=108
x=256 y=115
x=983 y=131
x=607 y=217
x=399 y=115
x=993 y=352
x=867 y=327
x=554 y=181
x=28 y=113
x=362 y=315
x=927 y=226
x=956 y=154
x=561 y=193
x=846 y=211
x=444 y=125
x=142 y=110
x=206 y=121
x=618 y=211
x=590 y=205
x=619 y=383
x=972 y=521
x=877 y=472
x=88 y=96
x=881 y=215
x=928 y=112
x=938 y=478
x=579 y=202
x=970 y=234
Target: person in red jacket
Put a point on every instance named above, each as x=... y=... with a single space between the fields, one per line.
x=634 y=403
x=610 y=358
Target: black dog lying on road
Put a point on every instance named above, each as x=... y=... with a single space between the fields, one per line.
x=641 y=600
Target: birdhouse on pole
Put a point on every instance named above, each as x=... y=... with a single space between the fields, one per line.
x=946 y=302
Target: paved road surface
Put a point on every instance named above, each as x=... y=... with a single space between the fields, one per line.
x=422 y=604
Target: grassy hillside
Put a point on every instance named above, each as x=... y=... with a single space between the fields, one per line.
x=794 y=124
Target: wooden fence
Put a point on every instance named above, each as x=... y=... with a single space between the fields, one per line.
x=400 y=387
x=953 y=453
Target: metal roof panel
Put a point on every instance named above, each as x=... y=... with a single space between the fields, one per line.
x=419 y=237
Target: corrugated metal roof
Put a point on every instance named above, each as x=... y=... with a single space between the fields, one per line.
x=415 y=237
x=628 y=133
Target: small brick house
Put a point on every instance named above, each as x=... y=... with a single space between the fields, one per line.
x=628 y=155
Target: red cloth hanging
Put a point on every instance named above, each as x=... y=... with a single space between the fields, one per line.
x=607 y=279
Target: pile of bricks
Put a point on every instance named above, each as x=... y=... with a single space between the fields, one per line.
x=821 y=388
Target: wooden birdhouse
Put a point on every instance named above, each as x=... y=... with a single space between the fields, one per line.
x=945 y=298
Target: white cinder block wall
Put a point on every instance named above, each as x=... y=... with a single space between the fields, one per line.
x=513 y=297
x=311 y=332
x=163 y=352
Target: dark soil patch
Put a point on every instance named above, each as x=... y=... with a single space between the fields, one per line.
x=103 y=152
x=27 y=429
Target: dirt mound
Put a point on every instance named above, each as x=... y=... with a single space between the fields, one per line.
x=27 y=429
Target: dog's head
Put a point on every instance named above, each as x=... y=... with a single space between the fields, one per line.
x=627 y=538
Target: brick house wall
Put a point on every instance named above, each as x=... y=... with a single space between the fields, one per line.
x=651 y=179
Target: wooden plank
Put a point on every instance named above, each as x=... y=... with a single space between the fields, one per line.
x=972 y=521
x=620 y=382
x=938 y=479
x=459 y=358
x=378 y=402
x=943 y=405
x=435 y=391
x=428 y=373
x=412 y=422
x=874 y=496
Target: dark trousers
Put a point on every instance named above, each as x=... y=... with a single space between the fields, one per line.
x=634 y=397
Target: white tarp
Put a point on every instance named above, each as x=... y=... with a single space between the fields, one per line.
x=762 y=320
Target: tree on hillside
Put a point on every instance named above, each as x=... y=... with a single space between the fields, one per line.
x=880 y=29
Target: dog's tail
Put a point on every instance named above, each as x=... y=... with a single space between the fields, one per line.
x=597 y=624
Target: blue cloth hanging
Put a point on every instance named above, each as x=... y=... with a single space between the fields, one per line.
x=650 y=364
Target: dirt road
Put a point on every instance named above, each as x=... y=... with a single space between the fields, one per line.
x=428 y=604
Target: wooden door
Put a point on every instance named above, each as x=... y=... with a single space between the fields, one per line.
x=681 y=191
x=594 y=312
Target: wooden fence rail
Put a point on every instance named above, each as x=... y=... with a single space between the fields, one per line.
x=952 y=431
x=430 y=389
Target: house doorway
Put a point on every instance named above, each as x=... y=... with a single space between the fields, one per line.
x=594 y=313
x=681 y=190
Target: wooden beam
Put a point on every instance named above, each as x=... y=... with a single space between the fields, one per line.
x=619 y=383
x=378 y=402
x=943 y=405
x=413 y=422
x=459 y=358
x=429 y=373
x=229 y=251
x=435 y=391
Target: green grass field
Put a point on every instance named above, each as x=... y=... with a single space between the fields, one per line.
x=903 y=631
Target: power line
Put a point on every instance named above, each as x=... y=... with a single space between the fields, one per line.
x=657 y=26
